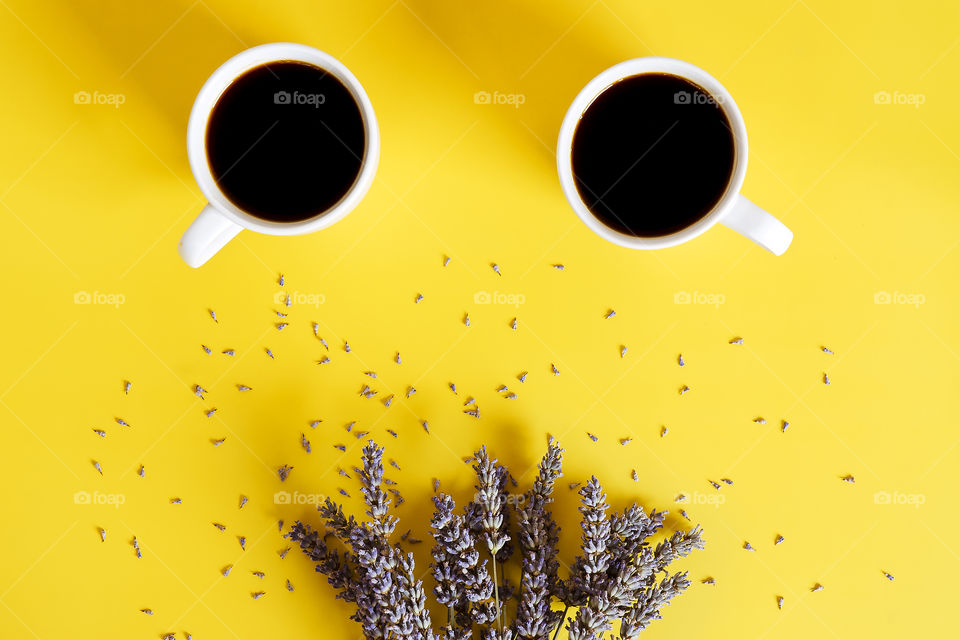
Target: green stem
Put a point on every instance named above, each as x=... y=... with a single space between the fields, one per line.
x=560 y=624
x=496 y=591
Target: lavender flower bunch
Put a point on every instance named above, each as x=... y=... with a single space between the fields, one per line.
x=616 y=577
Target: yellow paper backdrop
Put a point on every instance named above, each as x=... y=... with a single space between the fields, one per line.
x=93 y=198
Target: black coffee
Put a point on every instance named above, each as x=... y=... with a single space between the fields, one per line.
x=652 y=154
x=285 y=141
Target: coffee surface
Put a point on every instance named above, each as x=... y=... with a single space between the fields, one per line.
x=285 y=142
x=652 y=155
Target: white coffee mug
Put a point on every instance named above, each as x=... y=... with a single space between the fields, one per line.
x=732 y=210
x=221 y=220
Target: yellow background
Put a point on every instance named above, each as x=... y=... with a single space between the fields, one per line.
x=94 y=199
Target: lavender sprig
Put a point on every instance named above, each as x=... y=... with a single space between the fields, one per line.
x=647 y=608
x=378 y=502
x=539 y=535
x=589 y=574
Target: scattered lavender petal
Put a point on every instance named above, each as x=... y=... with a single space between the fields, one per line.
x=243 y=501
x=96 y=465
x=826 y=379
x=283 y=472
x=609 y=314
x=887 y=575
x=226 y=570
x=849 y=478
x=243 y=387
x=243 y=542
x=219 y=526
x=229 y=352
x=778 y=540
x=737 y=340
x=126 y=386
x=256 y=595
x=100 y=432
x=592 y=437
x=748 y=547
x=218 y=441
x=281 y=326
x=103 y=534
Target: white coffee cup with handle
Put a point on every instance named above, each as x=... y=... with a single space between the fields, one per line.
x=221 y=220
x=732 y=209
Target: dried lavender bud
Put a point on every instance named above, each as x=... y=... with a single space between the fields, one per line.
x=217 y=441
x=634 y=476
x=849 y=478
x=684 y=514
x=96 y=465
x=304 y=443
x=495 y=267
x=410 y=391
x=283 y=553
x=778 y=540
x=256 y=595
x=418 y=298
x=280 y=280
x=553 y=367
x=392 y=432
x=243 y=542
x=229 y=352
x=817 y=587
x=141 y=471
x=522 y=377
x=760 y=420
x=473 y=413
x=268 y=352
x=737 y=340
x=220 y=526
x=126 y=386
x=625 y=441
x=289 y=585
x=663 y=431
x=826 y=379
x=779 y=602
x=446 y=260
x=346 y=346
x=684 y=389
x=623 y=350
x=513 y=324
x=714 y=484
x=149 y=612
x=206 y=349
x=680 y=360
x=281 y=326
x=213 y=315
x=609 y=314
x=103 y=534
x=243 y=387
x=709 y=581
x=243 y=500
x=226 y=570
x=783 y=425
x=210 y=412
x=100 y=432
x=825 y=350
x=888 y=576
x=748 y=547
x=258 y=574
x=325 y=360
x=558 y=267
x=176 y=501
x=726 y=480
x=592 y=437
x=466 y=319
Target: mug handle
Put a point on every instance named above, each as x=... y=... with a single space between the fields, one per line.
x=753 y=222
x=206 y=236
